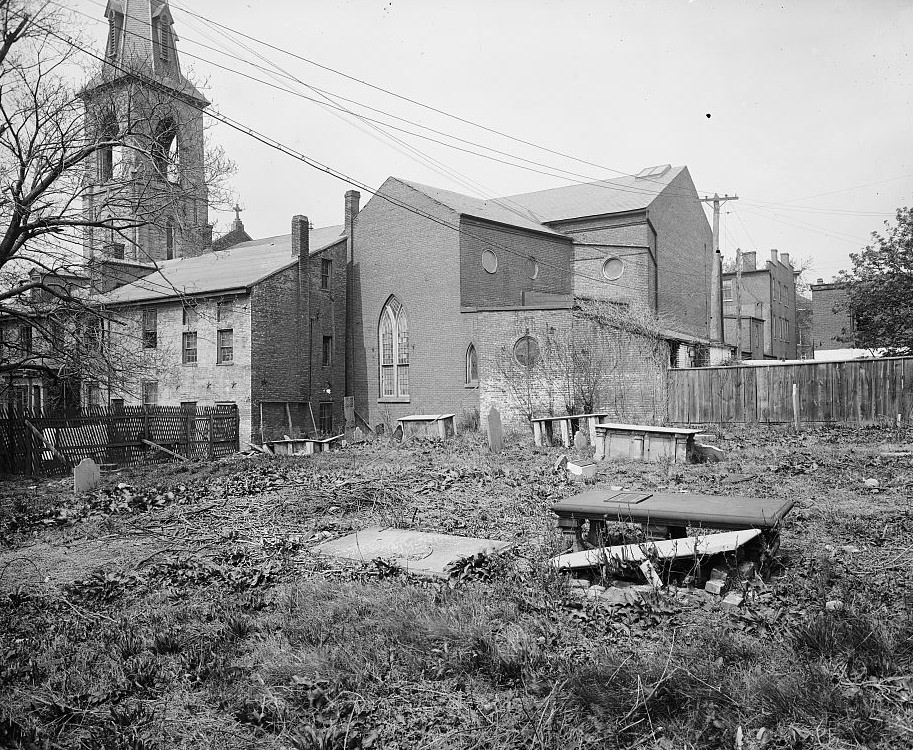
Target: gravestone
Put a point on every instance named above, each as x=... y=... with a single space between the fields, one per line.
x=398 y=433
x=580 y=441
x=86 y=476
x=358 y=436
x=380 y=428
x=495 y=432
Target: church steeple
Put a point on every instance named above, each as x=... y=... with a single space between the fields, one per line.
x=142 y=40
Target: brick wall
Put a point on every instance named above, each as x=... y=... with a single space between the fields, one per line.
x=628 y=237
x=627 y=372
x=400 y=253
x=831 y=317
x=684 y=256
x=514 y=249
x=205 y=382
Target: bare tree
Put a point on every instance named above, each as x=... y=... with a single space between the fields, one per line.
x=98 y=180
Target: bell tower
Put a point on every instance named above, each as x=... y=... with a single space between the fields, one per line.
x=146 y=181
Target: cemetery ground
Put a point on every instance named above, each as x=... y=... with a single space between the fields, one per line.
x=179 y=606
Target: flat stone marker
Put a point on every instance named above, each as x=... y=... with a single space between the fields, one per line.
x=495 y=433
x=415 y=551
x=580 y=441
x=86 y=476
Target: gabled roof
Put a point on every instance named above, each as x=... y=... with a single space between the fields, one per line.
x=498 y=210
x=239 y=267
x=619 y=195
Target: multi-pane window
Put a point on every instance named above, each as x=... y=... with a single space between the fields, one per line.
x=189 y=348
x=225 y=351
x=189 y=407
x=327 y=355
x=472 y=366
x=326 y=269
x=190 y=315
x=150 y=392
x=224 y=310
x=150 y=328
x=727 y=291
x=393 y=341
x=93 y=394
x=25 y=340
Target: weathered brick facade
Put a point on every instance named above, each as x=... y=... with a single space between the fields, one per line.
x=832 y=320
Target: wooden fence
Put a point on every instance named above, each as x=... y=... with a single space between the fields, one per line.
x=33 y=443
x=869 y=390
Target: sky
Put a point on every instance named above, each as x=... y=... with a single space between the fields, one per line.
x=801 y=109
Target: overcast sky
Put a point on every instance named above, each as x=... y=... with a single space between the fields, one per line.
x=802 y=109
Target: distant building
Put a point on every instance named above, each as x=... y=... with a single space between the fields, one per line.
x=805 y=343
x=767 y=294
x=833 y=326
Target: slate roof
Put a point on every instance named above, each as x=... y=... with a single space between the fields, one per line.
x=240 y=266
x=502 y=211
x=622 y=194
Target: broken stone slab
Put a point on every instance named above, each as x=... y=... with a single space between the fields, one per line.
x=719 y=573
x=732 y=599
x=560 y=463
x=666 y=549
x=417 y=552
x=86 y=476
x=709 y=453
x=715 y=586
x=619 y=597
x=581 y=470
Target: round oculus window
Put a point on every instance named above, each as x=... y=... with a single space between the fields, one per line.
x=489 y=261
x=526 y=351
x=532 y=268
x=613 y=268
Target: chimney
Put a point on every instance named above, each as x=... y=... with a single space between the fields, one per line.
x=773 y=255
x=820 y=281
x=750 y=261
x=352 y=199
x=300 y=236
x=784 y=259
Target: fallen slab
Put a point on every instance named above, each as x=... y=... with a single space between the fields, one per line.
x=667 y=549
x=414 y=551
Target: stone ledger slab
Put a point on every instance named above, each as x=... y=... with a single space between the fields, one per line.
x=416 y=551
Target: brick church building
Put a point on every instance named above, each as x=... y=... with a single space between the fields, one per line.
x=422 y=301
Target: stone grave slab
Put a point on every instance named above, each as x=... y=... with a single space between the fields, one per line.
x=86 y=476
x=416 y=551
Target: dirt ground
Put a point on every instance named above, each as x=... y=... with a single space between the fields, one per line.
x=180 y=606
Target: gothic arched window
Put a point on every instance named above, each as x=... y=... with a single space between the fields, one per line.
x=107 y=154
x=472 y=366
x=393 y=347
x=166 y=151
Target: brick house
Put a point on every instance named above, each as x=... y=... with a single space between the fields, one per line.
x=450 y=292
x=259 y=325
x=833 y=324
x=767 y=294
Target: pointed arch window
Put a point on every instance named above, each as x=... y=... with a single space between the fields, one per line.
x=167 y=150
x=107 y=155
x=393 y=346
x=472 y=366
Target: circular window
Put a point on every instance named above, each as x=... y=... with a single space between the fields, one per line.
x=532 y=267
x=526 y=351
x=613 y=268
x=489 y=261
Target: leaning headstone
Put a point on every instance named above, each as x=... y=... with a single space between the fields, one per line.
x=358 y=436
x=85 y=476
x=580 y=441
x=398 y=433
x=495 y=432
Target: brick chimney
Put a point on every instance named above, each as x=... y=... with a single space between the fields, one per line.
x=352 y=200
x=299 y=236
x=750 y=261
x=773 y=255
x=784 y=259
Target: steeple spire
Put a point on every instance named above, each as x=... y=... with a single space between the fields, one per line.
x=142 y=40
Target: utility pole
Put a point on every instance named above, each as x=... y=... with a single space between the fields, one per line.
x=716 y=276
x=737 y=296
